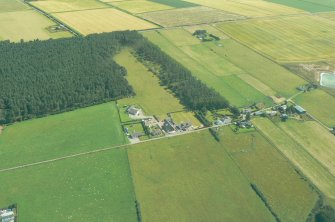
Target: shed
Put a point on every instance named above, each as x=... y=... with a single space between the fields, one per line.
x=299 y=109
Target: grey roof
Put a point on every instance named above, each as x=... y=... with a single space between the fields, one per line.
x=299 y=109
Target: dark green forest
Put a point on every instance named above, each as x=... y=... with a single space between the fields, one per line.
x=39 y=78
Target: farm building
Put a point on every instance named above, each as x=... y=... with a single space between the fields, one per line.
x=299 y=109
x=132 y=110
x=168 y=126
x=136 y=135
x=7 y=216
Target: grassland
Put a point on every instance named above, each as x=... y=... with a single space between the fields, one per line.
x=12 y=6
x=248 y=8
x=140 y=6
x=286 y=39
x=189 y=16
x=300 y=157
x=306 y=5
x=52 y=6
x=175 y=3
x=59 y=135
x=191 y=178
x=183 y=117
x=80 y=189
x=330 y=15
x=152 y=97
x=102 y=20
x=289 y=196
x=315 y=139
x=319 y=104
x=223 y=78
x=27 y=25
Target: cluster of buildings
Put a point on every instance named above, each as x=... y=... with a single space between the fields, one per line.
x=169 y=126
x=7 y=215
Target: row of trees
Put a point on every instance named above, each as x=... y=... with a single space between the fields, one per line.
x=44 y=77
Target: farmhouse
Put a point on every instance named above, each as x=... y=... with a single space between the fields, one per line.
x=132 y=110
x=136 y=135
x=168 y=126
x=299 y=109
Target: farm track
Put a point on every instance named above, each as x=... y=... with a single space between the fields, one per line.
x=98 y=151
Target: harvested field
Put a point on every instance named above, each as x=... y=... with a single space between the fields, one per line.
x=299 y=38
x=102 y=20
x=248 y=8
x=26 y=25
x=318 y=141
x=291 y=198
x=189 y=16
x=52 y=6
x=140 y=6
x=59 y=135
x=192 y=178
x=80 y=189
x=299 y=156
x=319 y=104
x=12 y=6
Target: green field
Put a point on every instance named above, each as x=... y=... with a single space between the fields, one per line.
x=319 y=104
x=27 y=25
x=140 y=6
x=290 y=197
x=192 y=178
x=80 y=189
x=299 y=156
x=315 y=139
x=59 y=135
x=152 y=97
x=209 y=67
x=286 y=39
x=12 y=6
x=175 y=3
x=307 y=5
x=189 y=16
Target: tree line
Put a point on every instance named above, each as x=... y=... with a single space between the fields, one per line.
x=39 y=78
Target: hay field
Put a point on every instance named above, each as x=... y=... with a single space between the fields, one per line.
x=330 y=15
x=152 y=97
x=306 y=5
x=80 y=189
x=189 y=16
x=59 y=135
x=297 y=154
x=52 y=6
x=315 y=139
x=212 y=69
x=248 y=8
x=286 y=39
x=319 y=104
x=102 y=20
x=289 y=196
x=12 y=6
x=140 y=6
x=267 y=72
x=191 y=178
x=27 y=25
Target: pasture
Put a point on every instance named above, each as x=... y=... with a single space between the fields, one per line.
x=60 y=135
x=319 y=104
x=299 y=156
x=315 y=139
x=183 y=117
x=192 y=178
x=175 y=3
x=212 y=69
x=27 y=25
x=53 y=6
x=189 y=16
x=307 y=5
x=140 y=6
x=300 y=38
x=80 y=189
x=102 y=20
x=248 y=8
x=289 y=196
x=152 y=97
x=12 y=6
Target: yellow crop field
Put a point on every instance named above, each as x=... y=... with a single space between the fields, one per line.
x=140 y=6
x=249 y=8
x=52 y=6
x=26 y=25
x=102 y=20
x=189 y=16
x=300 y=38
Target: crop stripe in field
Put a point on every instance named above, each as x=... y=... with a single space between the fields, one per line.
x=98 y=151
